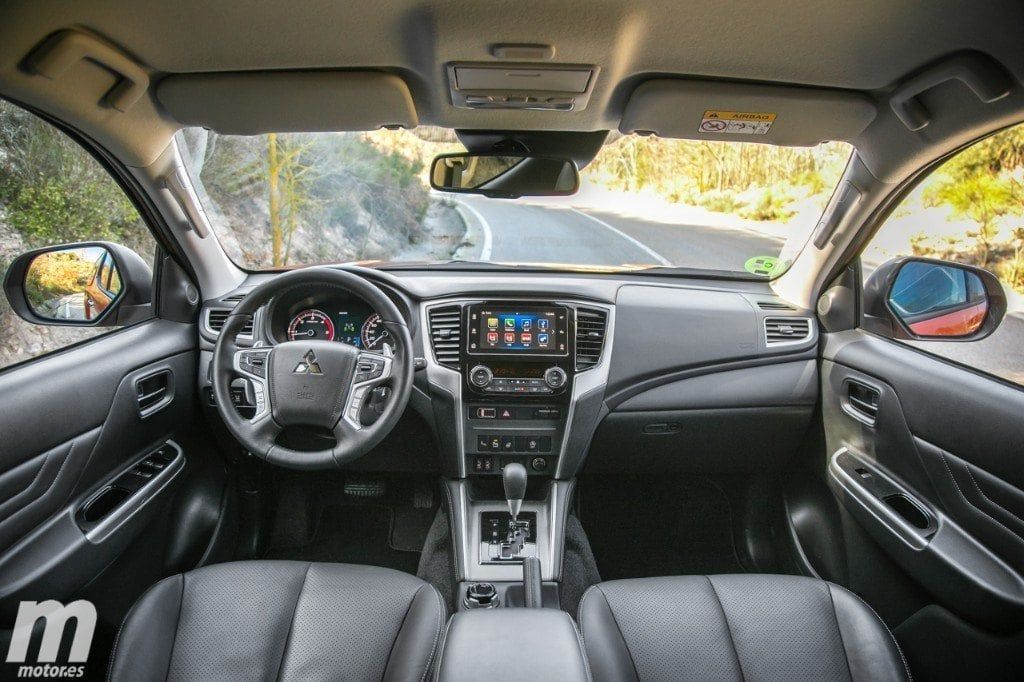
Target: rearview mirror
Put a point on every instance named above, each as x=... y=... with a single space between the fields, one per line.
x=504 y=176
x=88 y=284
x=922 y=298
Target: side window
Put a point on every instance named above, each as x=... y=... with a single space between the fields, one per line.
x=970 y=210
x=52 y=191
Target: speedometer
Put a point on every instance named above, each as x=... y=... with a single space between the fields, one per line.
x=310 y=325
x=373 y=333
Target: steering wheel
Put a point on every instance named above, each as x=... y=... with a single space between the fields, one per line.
x=312 y=383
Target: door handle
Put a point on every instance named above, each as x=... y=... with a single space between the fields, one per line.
x=862 y=401
x=153 y=392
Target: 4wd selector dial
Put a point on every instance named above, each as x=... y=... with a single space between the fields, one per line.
x=480 y=376
x=555 y=377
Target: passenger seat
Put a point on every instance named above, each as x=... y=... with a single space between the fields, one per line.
x=734 y=627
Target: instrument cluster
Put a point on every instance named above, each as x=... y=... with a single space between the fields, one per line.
x=329 y=318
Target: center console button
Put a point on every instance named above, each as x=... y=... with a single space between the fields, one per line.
x=480 y=376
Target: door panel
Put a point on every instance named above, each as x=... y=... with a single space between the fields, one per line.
x=71 y=423
x=932 y=470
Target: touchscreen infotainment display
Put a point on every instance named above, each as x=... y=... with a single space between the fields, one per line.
x=518 y=330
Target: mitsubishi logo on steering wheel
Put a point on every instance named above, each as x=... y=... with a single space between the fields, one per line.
x=308 y=364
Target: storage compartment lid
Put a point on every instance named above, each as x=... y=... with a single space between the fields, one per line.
x=553 y=87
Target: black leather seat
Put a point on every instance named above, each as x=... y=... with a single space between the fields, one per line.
x=286 y=620
x=734 y=627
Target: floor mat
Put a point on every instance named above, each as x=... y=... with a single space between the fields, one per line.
x=352 y=534
x=647 y=526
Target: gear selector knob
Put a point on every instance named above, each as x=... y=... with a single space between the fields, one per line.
x=513 y=476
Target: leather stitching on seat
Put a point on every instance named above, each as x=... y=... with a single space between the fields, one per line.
x=618 y=629
x=895 y=643
x=728 y=627
x=579 y=609
x=971 y=504
x=583 y=650
x=441 y=610
x=440 y=658
x=835 y=616
x=401 y=626
x=291 y=624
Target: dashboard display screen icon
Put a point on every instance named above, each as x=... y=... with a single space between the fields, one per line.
x=537 y=330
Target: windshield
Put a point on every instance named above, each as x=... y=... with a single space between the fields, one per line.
x=285 y=200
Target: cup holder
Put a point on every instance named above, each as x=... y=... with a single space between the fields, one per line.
x=104 y=503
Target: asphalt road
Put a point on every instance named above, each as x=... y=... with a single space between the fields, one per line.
x=527 y=233
x=504 y=231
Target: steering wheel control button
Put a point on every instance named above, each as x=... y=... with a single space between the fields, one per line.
x=369 y=368
x=254 y=362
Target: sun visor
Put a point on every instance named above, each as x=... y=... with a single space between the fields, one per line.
x=737 y=112
x=288 y=101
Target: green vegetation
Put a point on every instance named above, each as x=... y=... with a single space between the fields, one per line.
x=720 y=176
x=57 y=274
x=53 y=192
x=295 y=198
x=983 y=184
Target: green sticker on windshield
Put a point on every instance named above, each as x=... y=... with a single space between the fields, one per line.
x=761 y=265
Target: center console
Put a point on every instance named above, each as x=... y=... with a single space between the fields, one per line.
x=514 y=382
x=518 y=370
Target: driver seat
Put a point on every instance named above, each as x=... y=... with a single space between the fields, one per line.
x=281 y=620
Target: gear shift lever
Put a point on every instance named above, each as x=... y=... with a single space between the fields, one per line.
x=513 y=476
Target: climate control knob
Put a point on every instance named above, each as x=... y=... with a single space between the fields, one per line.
x=480 y=376
x=555 y=377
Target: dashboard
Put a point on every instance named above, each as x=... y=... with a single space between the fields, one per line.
x=623 y=373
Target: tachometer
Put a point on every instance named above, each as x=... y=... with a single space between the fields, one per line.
x=373 y=333
x=309 y=325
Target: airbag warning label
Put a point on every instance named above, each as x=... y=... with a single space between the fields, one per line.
x=736 y=122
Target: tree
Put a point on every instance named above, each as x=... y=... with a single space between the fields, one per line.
x=288 y=193
x=979 y=194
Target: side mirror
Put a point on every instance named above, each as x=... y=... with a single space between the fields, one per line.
x=504 y=176
x=91 y=284
x=923 y=298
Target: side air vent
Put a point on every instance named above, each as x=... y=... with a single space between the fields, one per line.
x=216 y=317
x=774 y=305
x=786 y=329
x=446 y=334
x=590 y=332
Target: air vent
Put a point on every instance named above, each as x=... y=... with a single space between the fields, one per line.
x=590 y=329
x=774 y=305
x=446 y=334
x=216 y=318
x=235 y=298
x=786 y=329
